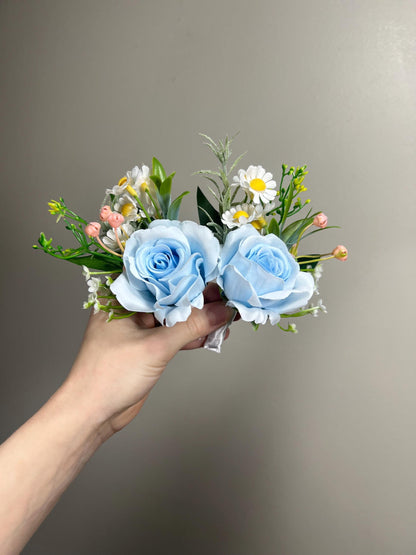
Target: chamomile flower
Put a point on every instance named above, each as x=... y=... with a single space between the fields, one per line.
x=145 y=189
x=127 y=207
x=258 y=183
x=239 y=215
x=124 y=232
x=141 y=178
x=136 y=178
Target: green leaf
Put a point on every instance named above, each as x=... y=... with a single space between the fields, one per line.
x=236 y=161
x=158 y=169
x=173 y=210
x=96 y=264
x=273 y=227
x=292 y=232
x=206 y=211
x=303 y=261
x=157 y=181
x=167 y=185
x=321 y=229
x=163 y=195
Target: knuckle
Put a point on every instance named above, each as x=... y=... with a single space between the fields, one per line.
x=196 y=324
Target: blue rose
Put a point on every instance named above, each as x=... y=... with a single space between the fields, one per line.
x=166 y=269
x=260 y=278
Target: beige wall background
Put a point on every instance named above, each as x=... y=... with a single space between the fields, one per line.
x=283 y=444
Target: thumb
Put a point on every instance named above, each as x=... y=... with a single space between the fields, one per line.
x=200 y=323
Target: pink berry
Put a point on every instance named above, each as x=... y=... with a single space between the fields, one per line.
x=105 y=212
x=115 y=219
x=320 y=220
x=340 y=252
x=93 y=229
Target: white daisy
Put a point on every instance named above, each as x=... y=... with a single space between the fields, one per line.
x=258 y=183
x=124 y=232
x=244 y=214
x=239 y=215
x=134 y=178
x=127 y=207
x=140 y=178
x=144 y=185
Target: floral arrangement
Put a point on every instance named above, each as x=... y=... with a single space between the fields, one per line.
x=141 y=258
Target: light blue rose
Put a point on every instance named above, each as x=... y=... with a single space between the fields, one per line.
x=166 y=269
x=260 y=278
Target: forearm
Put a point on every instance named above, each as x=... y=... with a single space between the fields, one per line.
x=40 y=460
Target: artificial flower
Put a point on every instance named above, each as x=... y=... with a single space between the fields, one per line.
x=257 y=183
x=260 y=278
x=239 y=215
x=126 y=205
x=124 y=232
x=166 y=269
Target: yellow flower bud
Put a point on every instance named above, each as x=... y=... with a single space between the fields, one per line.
x=54 y=207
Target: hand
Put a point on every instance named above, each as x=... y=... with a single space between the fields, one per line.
x=120 y=361
x=117 y=366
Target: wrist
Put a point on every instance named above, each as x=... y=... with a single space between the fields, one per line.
x=83 y=411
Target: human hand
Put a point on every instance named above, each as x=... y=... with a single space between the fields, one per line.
x=119 y=362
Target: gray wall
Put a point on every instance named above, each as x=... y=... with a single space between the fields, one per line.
x=288 y=445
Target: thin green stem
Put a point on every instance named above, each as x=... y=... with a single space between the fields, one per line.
x=152 y=200
x=122 y=316
x=287 y=202
x=139 y=202
x=320 y=259
x=300 y=313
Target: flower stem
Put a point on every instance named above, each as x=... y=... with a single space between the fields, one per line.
x=324 y=257
x=139 y=202
x=122 y=316
x=152 y=200
x=106 y=248
x=118 y=239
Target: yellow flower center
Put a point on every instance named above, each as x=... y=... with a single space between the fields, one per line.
x=259 y=223
x=144 y=186
x=257 y=184
x=122 y=181
x=126 y=209
x=239 y=214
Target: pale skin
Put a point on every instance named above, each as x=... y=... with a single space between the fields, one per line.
x=117 y=366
